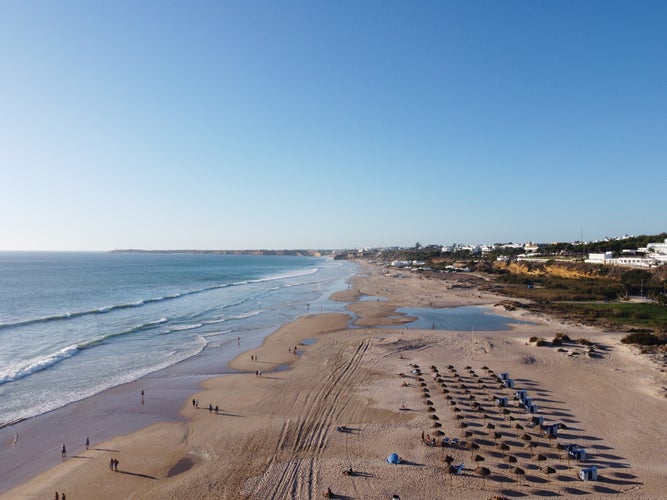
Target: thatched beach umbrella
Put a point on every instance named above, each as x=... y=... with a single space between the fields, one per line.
x=518 y=428
x=560 y=449
x=483 y=472
x=490 y=427
x=510 y=459
x=548 y=471
x=478 y=459
x=496 y=436
x=458 y=416
x=526 y=437
x=518 y=471
x=540 y=458
x=530 y=445
x=503 y=447
x=472 y=446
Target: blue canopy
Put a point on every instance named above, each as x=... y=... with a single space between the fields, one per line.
x=393 y=459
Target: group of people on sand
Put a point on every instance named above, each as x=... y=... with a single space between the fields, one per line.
x=58 y=497
x=211 y=409
x=428 y=440
x=113 y=464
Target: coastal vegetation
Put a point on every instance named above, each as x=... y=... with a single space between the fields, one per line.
x=559 y=282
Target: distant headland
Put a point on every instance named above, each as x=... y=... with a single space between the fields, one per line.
x=308 y=253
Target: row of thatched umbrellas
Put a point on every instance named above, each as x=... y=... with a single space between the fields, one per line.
x=475 y=406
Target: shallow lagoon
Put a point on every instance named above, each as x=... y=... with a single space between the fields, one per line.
x=458 y=319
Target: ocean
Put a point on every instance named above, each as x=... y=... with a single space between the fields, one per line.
x=75 y=324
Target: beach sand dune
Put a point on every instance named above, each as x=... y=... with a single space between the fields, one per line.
x=350 y=397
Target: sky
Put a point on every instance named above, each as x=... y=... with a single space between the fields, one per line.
x=329 y=124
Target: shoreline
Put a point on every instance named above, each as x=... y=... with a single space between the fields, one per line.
x=275 y=435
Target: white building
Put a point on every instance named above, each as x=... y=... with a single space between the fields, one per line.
x=657 y=251
x=626 y=260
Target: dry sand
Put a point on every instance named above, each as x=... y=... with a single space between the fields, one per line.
x=277 y=436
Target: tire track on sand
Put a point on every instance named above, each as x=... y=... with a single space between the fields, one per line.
x=290 y=473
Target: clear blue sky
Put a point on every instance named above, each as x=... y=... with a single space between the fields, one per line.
x=329 y=124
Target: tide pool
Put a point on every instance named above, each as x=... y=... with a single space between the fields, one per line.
x=468 y=318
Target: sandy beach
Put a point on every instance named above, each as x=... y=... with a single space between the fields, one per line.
x=352 y=395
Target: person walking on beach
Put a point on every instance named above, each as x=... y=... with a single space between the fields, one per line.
x=64 y=452
x=57 y=496
x=63 y=497
x=87 y=442
x=115 y=464
x=111 y=462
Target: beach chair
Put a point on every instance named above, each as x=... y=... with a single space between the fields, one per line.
x=455 y=441
x=445 y=442
x=456 y=469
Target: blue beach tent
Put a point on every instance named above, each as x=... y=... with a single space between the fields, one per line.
x=393 y=459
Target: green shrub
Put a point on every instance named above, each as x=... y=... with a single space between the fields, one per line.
x=642 y=338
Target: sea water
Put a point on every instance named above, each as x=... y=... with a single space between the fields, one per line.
x=75 y=324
